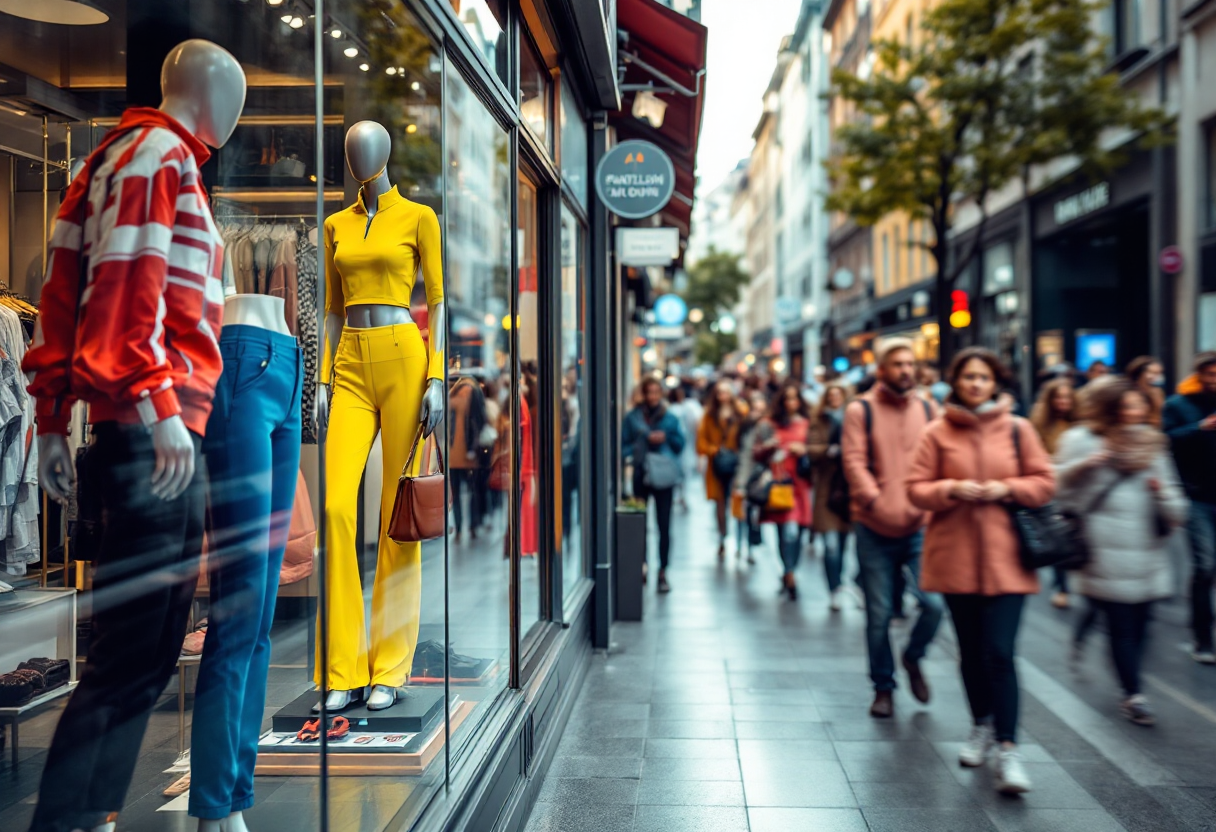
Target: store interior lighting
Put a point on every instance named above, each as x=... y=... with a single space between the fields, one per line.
x=365 y=66
x=351 y=52
x=335 y=33
x=274 y=2
x=296 y=22
x=63 y=12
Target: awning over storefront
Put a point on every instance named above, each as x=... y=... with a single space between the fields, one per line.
x=663 y=54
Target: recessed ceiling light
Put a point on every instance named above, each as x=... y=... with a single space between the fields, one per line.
x=415 y=86
x=296 y=23
x=364 y=67
x=274 y=2
x=392 y=70
x=64 y=12
x=286 y=18
x=350 y=51
x=335 y=33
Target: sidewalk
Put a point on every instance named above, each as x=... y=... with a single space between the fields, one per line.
x=730 y=709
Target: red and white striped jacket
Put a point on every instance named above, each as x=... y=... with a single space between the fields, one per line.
x=144 y=345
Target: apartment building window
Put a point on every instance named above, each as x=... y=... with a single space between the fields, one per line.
x=1209 y=190
x=911 y=254
x=1125 y=19
x=886 y=263
x=780 y=202
x=897 y=253
x=924 y=249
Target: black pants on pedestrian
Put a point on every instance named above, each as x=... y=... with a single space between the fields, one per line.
x=987 y=628
x=465 y=481
x=1128 y=627
x=146 y=570
x=663 y=500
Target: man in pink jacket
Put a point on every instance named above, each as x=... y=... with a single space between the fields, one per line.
x=881 y=431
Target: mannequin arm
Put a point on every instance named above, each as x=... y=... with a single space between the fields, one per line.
x=433 y=400
x=333 y=331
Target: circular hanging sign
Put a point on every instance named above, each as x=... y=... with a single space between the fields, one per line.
x=670 y=310
x=635 y=179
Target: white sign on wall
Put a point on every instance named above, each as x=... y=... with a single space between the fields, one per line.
x=647 y=246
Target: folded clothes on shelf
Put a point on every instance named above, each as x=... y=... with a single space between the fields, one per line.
x=32 y=679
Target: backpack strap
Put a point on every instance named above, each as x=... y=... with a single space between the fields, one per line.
x=865 y=405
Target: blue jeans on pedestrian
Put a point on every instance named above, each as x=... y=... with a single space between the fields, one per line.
x=882 y=558
x=253 y=457
x=833 y=557
x=1201 y=529
x=789 y=544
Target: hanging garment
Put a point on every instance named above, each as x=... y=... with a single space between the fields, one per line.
x=284 y=279
x=379 y=378
x=301 y=538
x=307 y=325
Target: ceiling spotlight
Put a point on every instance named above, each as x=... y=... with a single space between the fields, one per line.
x=64 y=12
x=286 y=18
x=350 y=51
x=415 y=86
x=364 y=67
x=392 y=70
x=297 y=22
x=335 y=33
x=274 y=2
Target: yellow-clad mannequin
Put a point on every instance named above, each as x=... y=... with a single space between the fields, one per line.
x=383 y=381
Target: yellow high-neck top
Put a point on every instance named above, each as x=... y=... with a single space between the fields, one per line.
x=377 y=261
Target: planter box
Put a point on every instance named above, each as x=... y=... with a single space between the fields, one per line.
x=627 y=569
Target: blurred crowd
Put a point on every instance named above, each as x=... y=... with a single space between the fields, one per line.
x=936 y=478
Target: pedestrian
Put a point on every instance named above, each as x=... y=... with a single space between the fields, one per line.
x=823 y=448
x=881 y=431
x=1053 y=413
x=1189 y=420
x=970 y=466
x=718 y=442
x=1096 y=370
x=650 y=434
x=778 y=443
x=1115 y=470
x=689 y=412
x=1148 y=374
x=747 y=525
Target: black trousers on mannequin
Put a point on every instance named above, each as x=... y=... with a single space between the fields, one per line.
x=144 y=582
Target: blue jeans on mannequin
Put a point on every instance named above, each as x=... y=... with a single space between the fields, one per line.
x=881 y=559
x=253 y=456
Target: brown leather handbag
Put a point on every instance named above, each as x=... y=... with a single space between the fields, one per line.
x=420 y=510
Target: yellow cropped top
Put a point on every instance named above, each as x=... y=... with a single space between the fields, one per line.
x=377 y=261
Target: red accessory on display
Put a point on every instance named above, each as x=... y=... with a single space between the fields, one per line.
x=140 y=256
x=420 y=510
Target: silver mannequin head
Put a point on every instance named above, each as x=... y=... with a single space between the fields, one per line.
x=367 y=149
x=203 y=87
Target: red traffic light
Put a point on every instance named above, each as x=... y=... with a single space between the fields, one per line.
x=960 y=309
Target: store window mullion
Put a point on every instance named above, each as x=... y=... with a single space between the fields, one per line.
x=513 y=499
x=549 y=284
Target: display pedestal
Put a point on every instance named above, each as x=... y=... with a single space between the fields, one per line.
x=415 y=712
x=366 y=750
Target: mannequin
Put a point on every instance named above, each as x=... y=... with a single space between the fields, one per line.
x=140 y=348
x=374 y=250
x=253 y=456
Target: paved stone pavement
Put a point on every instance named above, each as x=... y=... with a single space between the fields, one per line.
x=731 y=709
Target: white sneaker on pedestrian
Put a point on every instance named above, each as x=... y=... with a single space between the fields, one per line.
x=1011 y=776
x=975 y=750
x=1136 y=709
x=1203 y=655
x=836 y=604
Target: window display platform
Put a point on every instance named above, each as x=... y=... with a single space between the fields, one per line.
x=361 y=752
x=415 y=711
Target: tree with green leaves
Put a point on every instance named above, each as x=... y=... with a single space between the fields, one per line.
x=990 y=90
x=714 y=285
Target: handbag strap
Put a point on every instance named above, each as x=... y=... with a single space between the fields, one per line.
x=409 y=462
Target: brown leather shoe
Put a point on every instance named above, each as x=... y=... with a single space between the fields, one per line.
x=916 y=680
x=884 y=705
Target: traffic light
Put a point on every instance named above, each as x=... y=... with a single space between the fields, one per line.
x=960 y=309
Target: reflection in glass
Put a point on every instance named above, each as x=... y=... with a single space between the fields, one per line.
x=571 y=417
x=535 y=91
x=479 y=417
x=574 y=145
x=529 y=408
x=486 y=23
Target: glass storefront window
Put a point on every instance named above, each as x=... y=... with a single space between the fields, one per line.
x=486 y=23
x=574 y=145
x=535 y=90
x=572 y=422
x=528 y=430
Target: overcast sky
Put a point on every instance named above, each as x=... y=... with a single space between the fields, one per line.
x=744 y=36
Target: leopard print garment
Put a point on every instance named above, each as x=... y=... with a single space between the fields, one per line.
x=306 y=322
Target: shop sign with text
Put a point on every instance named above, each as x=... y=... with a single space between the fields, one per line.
x=635 y=179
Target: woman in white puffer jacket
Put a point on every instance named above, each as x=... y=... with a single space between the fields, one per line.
x=1116 y=470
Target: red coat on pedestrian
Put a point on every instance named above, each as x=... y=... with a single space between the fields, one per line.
x=771 y=438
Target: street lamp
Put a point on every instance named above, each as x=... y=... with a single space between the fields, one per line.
x=695 y=316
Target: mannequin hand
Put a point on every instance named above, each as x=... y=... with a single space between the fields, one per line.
x=56 y=471
x=432 y=406
x=174 y=458
x=320 y=408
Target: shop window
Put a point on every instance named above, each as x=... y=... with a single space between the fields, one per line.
x=478 y=268
x=528 y=428
x=535 y=90
x=574 y=447
x=998 y=269
x=486 y=23
x=574 y=144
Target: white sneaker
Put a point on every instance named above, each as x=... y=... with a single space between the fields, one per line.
x=1203 y=656
x=1011 y=776
x=836 y=605
x=975 y=750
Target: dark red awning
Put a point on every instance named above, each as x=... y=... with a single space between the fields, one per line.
x=662 y=42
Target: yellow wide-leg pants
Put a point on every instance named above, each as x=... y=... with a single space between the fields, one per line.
x=380 y=375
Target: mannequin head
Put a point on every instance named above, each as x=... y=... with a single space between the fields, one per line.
x=367 y=148
x=203 y=87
